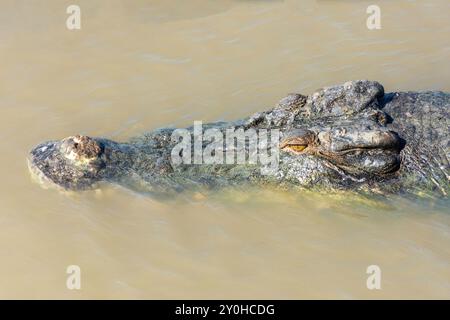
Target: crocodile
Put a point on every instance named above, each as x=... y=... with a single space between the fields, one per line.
x=352 y=136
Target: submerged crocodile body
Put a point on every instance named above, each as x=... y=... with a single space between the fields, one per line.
x=346 y=137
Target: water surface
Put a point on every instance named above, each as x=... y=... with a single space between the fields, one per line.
x=140 y=65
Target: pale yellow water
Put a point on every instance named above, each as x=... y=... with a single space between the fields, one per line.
x=138 y=65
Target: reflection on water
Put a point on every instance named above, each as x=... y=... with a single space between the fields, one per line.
x=136 y=66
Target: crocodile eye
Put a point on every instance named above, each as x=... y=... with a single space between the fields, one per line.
x=296 y=148
x=297 y=140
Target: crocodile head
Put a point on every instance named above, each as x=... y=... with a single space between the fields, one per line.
x=335 y=138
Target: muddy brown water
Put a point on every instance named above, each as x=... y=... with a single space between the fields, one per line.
x=139 y=65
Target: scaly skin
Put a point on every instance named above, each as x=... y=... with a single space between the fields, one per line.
x=345 y=137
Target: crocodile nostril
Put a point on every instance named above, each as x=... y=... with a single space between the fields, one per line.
x=81 y=148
